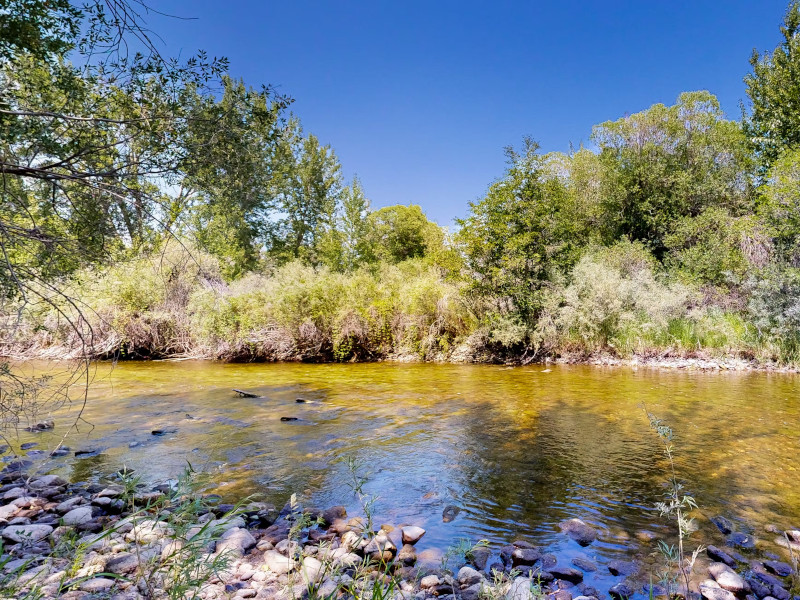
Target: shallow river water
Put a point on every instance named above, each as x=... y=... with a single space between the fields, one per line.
x=516 y=449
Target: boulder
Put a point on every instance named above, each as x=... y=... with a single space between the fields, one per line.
x=727 y=578
x=76 y=516
x=525 y=557
x=479 y=557
x=412 y=534
x=26 y=533
x=235 y=541
x=623 y=567
x=710 y=592
x=468 y=576
x=579 y=531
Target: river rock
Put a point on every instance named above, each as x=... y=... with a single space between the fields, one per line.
x=584 y=564
x=407 y=555
x=579 y=531
x=76 y=516
x=412 y=534
x=621 y=591
x=479 y=557
x=26 y=533
x=429 y=581
x=778 y=568
x=723 y=524
x=710 y=592
x=97 y=585
x=521 y=589
x=380 y=548
x=727 y=578
x=332 y=514
x=311 y=570
x=468 y=576
x=450 y=512
x=277 y=562
x=236 y=541
x=790 y=543
x=123 y=563
x=525 y=557
x=741 y=540
x=566 y=574
x=715 y=553
x=622 y=567
x=473 y=592
x=48 y=481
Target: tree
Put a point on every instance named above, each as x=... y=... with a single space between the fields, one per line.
x=773 y=87
x=345 y=245
x=527 y=228
x=398 y=233
x=668 y=163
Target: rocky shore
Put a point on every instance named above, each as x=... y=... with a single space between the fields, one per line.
x=124 y=541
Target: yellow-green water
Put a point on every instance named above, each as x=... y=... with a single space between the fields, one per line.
x=517 y=449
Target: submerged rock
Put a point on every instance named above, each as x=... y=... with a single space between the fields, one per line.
x=741 y=540
x=579 y=531
x=566 y=574
x=715 y=553
x=778 y=568
x=585 y=565
x=450 y=512
x=622 y=567
x=723 y=524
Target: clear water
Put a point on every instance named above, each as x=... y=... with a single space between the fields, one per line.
x=516 y=449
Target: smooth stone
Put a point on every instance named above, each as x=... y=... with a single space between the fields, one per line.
x=97 y=585
x=407 y=555
x=566 y=574
x=480 y=557
x=584 y=564
x=429 y=581
x=311 y=570
x=521 y=589
x=122 y=564
x=579 y=531
x=48 y=481
x=450 y=512
x=727 y=578
x=741 y=540
x=715 y=553
x=236 y=541
x=723 y=524
x=525 y=557
x=26 y=533
x=621 y=591
x=623 y=567
x=715 y=593
x=76 y=516
x=778 y=568
x=333 y=514
x=277 y=562
x=468 y=576
x=412 y=534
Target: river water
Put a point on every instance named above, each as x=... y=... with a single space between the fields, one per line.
x=517 y=450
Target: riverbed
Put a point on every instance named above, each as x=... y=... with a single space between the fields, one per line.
x=516 y=450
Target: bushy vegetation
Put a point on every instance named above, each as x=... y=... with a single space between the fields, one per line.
x=223 y=229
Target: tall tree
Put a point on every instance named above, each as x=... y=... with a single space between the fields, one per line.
x=773 y=87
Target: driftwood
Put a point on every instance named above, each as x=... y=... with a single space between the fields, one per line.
x=244 y=394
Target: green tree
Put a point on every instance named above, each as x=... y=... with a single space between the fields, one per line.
x=345 y=245
x=668 y=163
x=773 y=87
x=779 y=206
x=399 y=232
x=526 y=229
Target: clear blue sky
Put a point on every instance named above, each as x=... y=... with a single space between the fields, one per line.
x=419 y=98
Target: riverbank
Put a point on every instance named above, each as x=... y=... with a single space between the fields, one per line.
x=126 y=541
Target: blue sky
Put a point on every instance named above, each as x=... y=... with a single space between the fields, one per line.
x=419 y=98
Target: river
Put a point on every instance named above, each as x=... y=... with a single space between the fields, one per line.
x=517 y=450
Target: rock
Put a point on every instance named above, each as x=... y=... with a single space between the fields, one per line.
x=86 y=452
x=112 y=491
x=585 y=565
x=521 y=589
x=621 y=591
x=479 y=556
x=579 y=531
x=654 y=590
x=76 y=516
x=715 y=553
x=164 y=431
x=277 y=562
x=473 y=592
x=289 y=419
x=757 y=587
x=429 y=581
x=790 y=543
x=723 y=524
x=559 y=595
x=97 y=585
x=525 y=557
x=311 y=570
x=549 y=560
x=770 y=580
x=41 y=426
x=380 y=548
x=622 y=567
x=468 y=576
x=566 y=574
x=450 y=512
x=332 y=514
x=407 y=555
x=741 y=540
x=123 y=563
x=727 y=578
x=29 y=445
x=715 y=593
x=26 y=533
x=412 y=534
x=778 y=568
x=236 y=541
x=48 y=481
